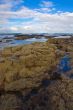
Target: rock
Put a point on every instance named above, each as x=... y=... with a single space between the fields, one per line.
x=10 y=102
x=57 y=96
x=2 y=60
x=20 y=84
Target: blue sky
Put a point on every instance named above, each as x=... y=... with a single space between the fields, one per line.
x=62 y=5
x=36 y=16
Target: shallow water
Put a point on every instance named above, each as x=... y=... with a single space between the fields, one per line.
x=64 y=65
x=14 y=42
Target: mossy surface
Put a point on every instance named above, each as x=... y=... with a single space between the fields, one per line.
x=29 y=79
x=29 y=61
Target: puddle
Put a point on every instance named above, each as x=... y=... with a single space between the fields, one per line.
x=45 y=82
x=34 y=92
x=64 y=65
x=14 y=42
x=71 y=76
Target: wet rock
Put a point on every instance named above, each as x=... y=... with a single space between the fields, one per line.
x=58 y=96
x=2 y=60
x=29 y=80
x=55 y=76
x=10 y=102
x=20 y=84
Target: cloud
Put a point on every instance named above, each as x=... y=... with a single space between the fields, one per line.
x=14 y=28
x=11 y=1
x=39 y=20
x=24 y=12
x=4 y=7
x=7 y=5
x=47 y=4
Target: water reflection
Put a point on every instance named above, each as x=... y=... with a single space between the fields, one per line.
x=14 y=42
x=64 y=65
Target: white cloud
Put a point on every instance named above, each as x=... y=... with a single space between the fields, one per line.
x=5 y=7
x=14 y=28
x=40 y=22
x=46 y=4
x=12 y=1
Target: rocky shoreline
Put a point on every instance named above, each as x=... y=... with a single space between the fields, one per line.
x=29 y=79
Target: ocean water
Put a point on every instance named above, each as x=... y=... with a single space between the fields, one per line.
x=8 y=41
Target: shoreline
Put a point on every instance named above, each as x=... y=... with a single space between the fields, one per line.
x=29 y=74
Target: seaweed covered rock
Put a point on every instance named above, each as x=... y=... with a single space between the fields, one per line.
x=57 y=96
x=27 y=64
x=10 y=102
x=29 y=79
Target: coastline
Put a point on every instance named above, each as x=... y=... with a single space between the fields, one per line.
x=29 y=72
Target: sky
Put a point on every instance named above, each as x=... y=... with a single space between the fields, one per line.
x=36 y=16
